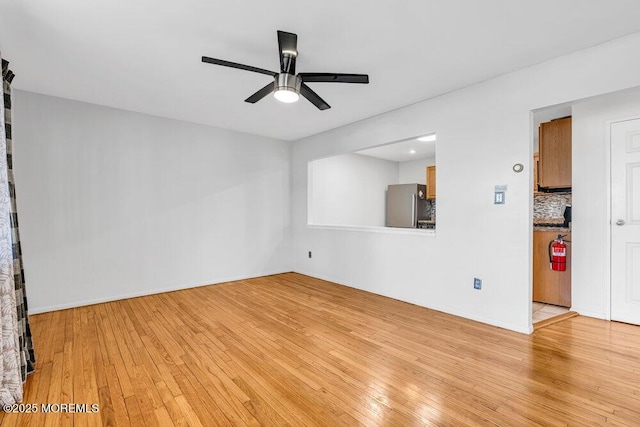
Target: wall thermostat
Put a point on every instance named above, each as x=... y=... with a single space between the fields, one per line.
x=518 y=167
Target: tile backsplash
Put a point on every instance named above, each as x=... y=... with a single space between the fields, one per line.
x=550 y=205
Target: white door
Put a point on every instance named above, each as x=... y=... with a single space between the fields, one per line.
x=625 y=221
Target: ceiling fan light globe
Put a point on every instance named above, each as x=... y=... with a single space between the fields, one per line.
x=286 y=95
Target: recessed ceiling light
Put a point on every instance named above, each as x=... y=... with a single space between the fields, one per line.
x=427 y=138
x=412 y=151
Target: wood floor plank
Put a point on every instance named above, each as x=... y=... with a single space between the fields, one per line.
x=170 y=404
x=116 y=398
x=206 y=409
x=133 y=411
x=294 y=350
x=55 y=389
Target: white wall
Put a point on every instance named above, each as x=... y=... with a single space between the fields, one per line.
x=350 y=189
x=114 y=203
x=591 y=203
x=414 y=171
x=482 y=131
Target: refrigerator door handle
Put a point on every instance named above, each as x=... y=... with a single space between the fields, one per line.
x=413 y=210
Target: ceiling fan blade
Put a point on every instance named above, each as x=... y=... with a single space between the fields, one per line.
x=236 y=65
x=313 y=97
x=261 y=93
x=288 y=51
x=334 y=78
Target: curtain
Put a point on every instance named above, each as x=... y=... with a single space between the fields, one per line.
x=16 y=350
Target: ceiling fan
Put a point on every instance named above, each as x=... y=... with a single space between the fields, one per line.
x=287 y=86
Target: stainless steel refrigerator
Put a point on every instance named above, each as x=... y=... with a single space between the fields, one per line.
x=406 y=205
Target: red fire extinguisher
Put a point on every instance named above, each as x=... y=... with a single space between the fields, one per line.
x=558 y=254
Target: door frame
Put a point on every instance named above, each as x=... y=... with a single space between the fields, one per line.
x=608 y=155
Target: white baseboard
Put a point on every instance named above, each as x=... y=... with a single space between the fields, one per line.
x=74 y=304
x=589 y=313
x=524 y=329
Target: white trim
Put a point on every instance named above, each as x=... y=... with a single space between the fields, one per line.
x=375 y=229
x=532 y=147
x=589 y=313
x=39 y=310
x=526 y=329
x=607 y=174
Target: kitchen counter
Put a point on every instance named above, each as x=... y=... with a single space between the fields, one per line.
x=551 y=224
x=560 y=230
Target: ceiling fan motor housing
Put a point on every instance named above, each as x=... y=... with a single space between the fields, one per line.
x=286 y=81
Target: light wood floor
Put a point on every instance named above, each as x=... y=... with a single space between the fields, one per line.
x=292 y=350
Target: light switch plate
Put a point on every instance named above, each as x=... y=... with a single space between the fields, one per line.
x=498 y=198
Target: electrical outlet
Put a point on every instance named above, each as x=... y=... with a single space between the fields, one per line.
x=477 y=283
x=309 y=254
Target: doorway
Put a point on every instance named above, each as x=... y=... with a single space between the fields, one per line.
x=552 y=201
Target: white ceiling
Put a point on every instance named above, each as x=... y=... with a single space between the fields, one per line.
x=401 y=151
x=144 y=55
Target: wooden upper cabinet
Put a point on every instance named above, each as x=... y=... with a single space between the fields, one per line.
x=554 y=167
x=431 y=182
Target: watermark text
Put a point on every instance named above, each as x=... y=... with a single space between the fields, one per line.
x=33 y=408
